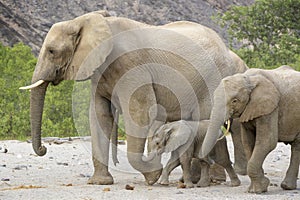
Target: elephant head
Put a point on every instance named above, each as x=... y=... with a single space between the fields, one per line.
x=245 y=96
x=170 y=137
x=72 y=50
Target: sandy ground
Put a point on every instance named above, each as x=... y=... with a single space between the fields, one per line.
x=64 y=171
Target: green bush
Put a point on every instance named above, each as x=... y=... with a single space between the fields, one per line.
x=268 y=32
x=64 y=104
x=16 y=67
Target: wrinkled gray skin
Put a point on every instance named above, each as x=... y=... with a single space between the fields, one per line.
x=267 y=105
x=117 y=55
x=184 y=139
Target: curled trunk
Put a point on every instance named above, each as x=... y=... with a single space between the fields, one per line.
x=37 y=97
x=151 y=169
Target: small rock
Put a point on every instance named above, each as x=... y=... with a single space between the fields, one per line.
x=85 y=175
x=121 y=142
x=20 y=167
x=3 y=149
x=181 y=185
x=5 y=179
x=179 y=192
x=106 y=189
x=274 y=184
x=64 y=164
x=129 y=187
x=3 y=165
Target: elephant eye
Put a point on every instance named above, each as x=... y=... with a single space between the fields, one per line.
x=51 y=51
x=234 y=101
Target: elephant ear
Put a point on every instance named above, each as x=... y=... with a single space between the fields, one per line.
x=94 y=44
x=264 y=98
x=177 y=136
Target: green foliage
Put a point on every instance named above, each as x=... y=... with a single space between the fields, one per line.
x=16 y=69
x=81 y=103
x=268 y=31
x=57 y=115
x=66 y=109
x=16 y=66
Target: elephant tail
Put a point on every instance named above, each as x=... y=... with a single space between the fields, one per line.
x=114 y=138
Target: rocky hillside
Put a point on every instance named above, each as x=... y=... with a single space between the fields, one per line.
x=29 y=20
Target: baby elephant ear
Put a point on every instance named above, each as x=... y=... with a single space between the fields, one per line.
x=177 y=136
x=264 y=98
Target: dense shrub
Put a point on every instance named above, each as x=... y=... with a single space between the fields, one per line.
x=16 y=67
x=268 y=32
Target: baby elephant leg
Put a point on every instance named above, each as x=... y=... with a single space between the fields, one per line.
x=185 y=161
x=204 y=179
x=170 y=166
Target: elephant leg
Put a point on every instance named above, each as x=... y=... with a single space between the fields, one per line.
x=248 y=140
x=290 y=180
x=101 y=124
x=170 y=166
x=139 y=108
x=185 y=161
x=204 y=179
x=216 y=172
x=265 y=141
x=223 y=160
x=195 y=170
x=240 y=160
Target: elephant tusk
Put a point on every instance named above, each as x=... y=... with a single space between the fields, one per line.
x=228 y=128
x=38 y=83
x=224 y=132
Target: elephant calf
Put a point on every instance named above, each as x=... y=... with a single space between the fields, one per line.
x=184 y=139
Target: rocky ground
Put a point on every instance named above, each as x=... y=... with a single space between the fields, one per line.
x=64 y=171
x=29 y=20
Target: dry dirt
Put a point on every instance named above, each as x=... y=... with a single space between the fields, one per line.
x=64 y=171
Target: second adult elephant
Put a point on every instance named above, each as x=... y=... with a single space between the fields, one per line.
x=267 y=103
x=148 y=73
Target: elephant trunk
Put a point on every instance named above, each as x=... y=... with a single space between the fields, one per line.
x=37 y=97
x=217 y=118
x=151 y=169
x=150 y=157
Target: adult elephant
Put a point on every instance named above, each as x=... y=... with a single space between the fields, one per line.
x=267 y=105
x=149 y=73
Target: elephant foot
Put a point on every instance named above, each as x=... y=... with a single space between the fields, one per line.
x=152 y=177
x=203 y=183
x=259 y=185
x=101 y=180
x=217 y=173
x=286 y=185
x=164 y=182
x=189 y=184
x=235 y=182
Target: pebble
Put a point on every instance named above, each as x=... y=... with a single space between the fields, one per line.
x=3 y=149
x=61 y=163
x=20 y=167
x=5 y=179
